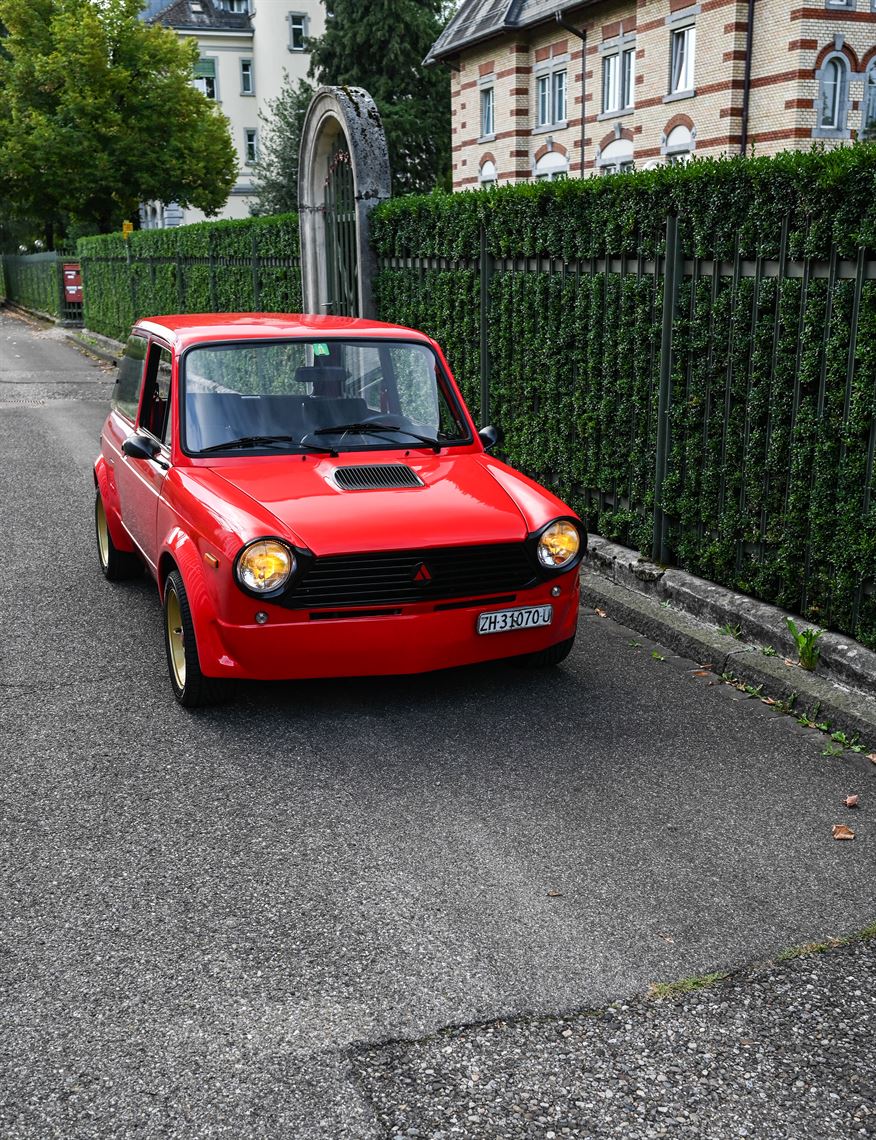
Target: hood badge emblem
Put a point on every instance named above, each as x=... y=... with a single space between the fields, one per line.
x=422 y=574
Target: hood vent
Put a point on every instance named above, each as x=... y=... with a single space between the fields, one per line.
x=376 y=477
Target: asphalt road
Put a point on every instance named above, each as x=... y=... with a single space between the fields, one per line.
x=208 y=918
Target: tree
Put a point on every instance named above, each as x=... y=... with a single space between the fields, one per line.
x=98 y=113
x=380 y=46
x=275 y=174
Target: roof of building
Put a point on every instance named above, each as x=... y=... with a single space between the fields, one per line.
x=198 y=15
x=479 y=20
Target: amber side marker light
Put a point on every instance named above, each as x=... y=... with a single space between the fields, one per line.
x=212 y=560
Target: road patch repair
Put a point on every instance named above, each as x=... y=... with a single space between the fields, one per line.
x=780 y=1050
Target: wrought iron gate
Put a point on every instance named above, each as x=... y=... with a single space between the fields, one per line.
x=342 y=271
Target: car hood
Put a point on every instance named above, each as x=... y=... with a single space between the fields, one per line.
x=462 y=502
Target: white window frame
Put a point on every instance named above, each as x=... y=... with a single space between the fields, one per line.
x=676 y=153
x=298 y=21
x=250 y=145
x=609 y=163
x=241 y=7
x=197 y=80
x=555 y=168
x=683 y=83
x=488 y=175
x=487 y=111
x=552 y=94
x=247 y=70
x=619 y=79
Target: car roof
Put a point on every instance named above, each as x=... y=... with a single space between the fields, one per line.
x=185 y=329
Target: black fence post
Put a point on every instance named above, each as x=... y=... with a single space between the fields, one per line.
x=486 y=272
x=180 y=283
x=256 y=300
x=671 y=266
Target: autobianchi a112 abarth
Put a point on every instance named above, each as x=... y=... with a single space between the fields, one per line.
x=313 y=499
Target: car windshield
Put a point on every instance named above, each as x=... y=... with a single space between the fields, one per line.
x=313 y=396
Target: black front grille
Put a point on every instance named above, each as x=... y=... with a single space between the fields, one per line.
x=410 y=576
x=376 y=476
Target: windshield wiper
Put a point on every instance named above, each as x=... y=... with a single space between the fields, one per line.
x=375 y=427
x=266 y=441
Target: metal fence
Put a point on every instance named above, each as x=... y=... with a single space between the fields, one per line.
x=718 y=415
x=36 y=282
x=119 y=290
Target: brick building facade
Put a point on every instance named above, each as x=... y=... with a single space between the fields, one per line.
x=542 y=90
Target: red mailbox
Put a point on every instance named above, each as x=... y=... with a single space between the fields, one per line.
x=72 y=283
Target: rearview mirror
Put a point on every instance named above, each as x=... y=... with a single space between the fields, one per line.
x=489 y=437
x=138 y=447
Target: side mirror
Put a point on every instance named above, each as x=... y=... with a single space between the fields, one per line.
x=489 y=437
x=138 y=447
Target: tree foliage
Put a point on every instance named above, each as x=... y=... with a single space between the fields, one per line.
x=275 y=174
x=380 y=46
x=98 y=113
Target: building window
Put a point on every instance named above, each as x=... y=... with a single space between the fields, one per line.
x=618 y=79
x=683 y=48
x=678 y=146
x=487 y=174
x=550 y=98
x=205 y=78
x=868 y=112
x=551 y=167
x=616 y=158
x=247 y=77
x=558 y=93
x=250 y=145
x=235 y=5
x=297 y=31
x=832 y=103
x=832 y=82
x=487 y=109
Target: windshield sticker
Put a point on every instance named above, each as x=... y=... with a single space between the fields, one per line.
x=320 y=350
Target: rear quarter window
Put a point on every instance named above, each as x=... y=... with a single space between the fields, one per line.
x=126 y=391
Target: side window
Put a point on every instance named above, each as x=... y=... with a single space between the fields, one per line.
x=154 y=415
x=126 y=392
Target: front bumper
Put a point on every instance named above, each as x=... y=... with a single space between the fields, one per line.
x=294 y=645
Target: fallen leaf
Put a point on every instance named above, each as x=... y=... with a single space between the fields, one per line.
x=840 y=831
x=701 y=673
x=601 y=613
x=790 y=663
x=851 y=801
x=769 y=700
x=871 y=756
x=665 y=937
x=555 y=894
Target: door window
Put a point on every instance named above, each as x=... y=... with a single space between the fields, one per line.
x=154 y=416
x=126 y=391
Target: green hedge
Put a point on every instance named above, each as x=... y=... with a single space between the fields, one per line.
x=33 y=282
x=230 y=266
x=766 y=477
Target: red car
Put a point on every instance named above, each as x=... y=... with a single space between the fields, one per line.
x=313 y=500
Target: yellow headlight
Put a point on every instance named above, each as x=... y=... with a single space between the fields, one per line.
x=265 y=565
x=558 y=545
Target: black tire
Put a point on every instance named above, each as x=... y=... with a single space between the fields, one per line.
x=190 y=687
x=116 y=565
x=546 y=658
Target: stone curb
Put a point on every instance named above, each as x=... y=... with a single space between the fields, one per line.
x=660 y=615
x=103 y=347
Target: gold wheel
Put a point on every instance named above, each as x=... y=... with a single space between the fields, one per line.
x=175 y=639
x=102 y=533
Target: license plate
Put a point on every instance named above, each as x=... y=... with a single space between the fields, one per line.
x=506 y=621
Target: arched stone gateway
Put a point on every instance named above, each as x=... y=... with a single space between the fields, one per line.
x=343 y=172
